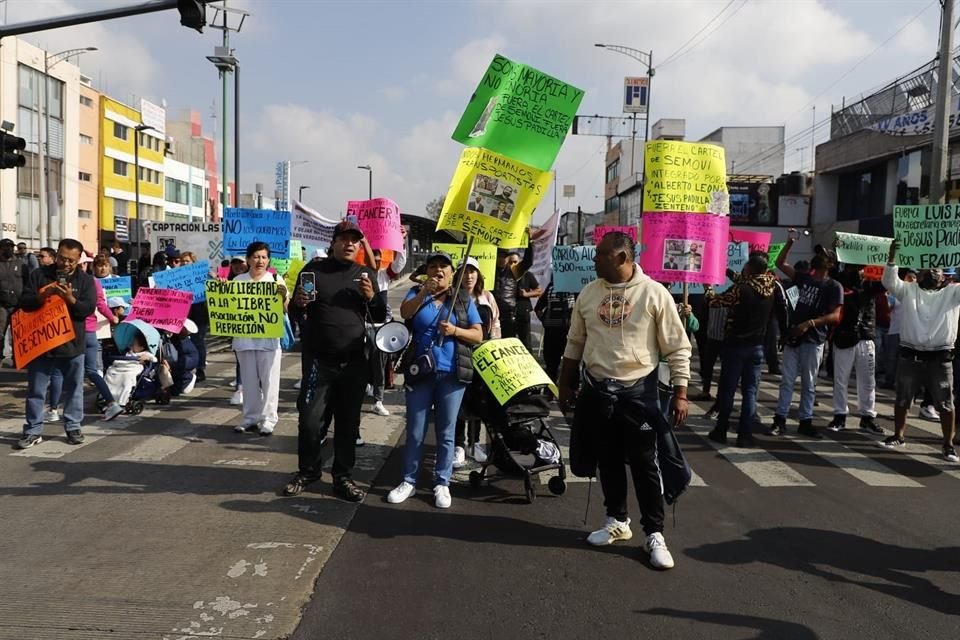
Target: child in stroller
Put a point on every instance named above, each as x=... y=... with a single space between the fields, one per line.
x=521 y=443
x=133 y=368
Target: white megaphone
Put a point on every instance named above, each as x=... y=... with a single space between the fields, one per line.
x=392 y=337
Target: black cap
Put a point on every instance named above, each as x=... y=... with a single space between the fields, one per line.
x=346 y=226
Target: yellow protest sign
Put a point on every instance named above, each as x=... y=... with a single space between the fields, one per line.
x=507 y=368
x=492 y=197
x=484 y=254
x=244 y=309
x=685 y=177
x=290 y=277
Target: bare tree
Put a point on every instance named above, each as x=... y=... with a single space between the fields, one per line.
x=434 y=207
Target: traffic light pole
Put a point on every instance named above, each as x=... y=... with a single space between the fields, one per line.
x=46 y=24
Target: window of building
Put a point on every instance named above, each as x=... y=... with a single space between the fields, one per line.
x=120 y=131
x=613 y=170
x=85 y=177
x=86 y=214
x=612 y=204
x=120 y=208
x=85 y=139
x=913 y=177
x=861 y=194
x=85 y=101
x=120 y=167
x=196 y=197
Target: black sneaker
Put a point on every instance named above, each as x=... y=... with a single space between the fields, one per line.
x=839 y=423
x=867 y=424
x=950 y=454
x=201 y=375
x=74 y=437
x=779 y=426
x=296 y=485
x=806 y=428
x=28 y=441
x=718 y=435
x=746 y=441
x=892 y=442
x=346 y=489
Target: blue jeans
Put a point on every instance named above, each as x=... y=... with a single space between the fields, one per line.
x=92 y=349
x=805 y=361
x=444 y=392
x=739 y=364
x=39 y=373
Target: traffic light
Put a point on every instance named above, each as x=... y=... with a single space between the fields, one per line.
x=193 y=14
x=10 y=148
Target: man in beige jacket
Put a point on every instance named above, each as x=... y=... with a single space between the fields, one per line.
x=621 y=326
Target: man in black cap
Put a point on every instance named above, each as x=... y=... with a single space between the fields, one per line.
x=334 y=363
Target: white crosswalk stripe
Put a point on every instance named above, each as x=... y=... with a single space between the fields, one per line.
x=861 y=467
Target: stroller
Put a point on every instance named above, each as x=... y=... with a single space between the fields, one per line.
x=148 y=386
x=521 y=443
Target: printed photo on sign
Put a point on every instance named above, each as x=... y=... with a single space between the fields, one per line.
x=682 y=255
x=493 y=197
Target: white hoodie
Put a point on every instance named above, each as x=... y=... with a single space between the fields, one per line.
x=620 y=331
x=928 y=319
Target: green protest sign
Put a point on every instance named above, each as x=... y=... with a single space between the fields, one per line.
x=855 y=248
x=929 y=235
x=519 y=112
x=773 y=253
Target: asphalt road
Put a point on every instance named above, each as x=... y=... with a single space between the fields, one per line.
x=794 y=540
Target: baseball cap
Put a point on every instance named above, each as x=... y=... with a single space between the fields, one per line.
x=190 y=326
x=346 y=226
x=116 y=301
x=470 y=262
x=319 y=253
x=172 y=251
x=441 y=255
x=238 y=259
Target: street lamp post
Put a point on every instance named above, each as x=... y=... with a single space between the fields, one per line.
x=225 y=62
x=645 y=57
x=136 y=189
x=43 y=135
x=300 y=192
x=369 y=171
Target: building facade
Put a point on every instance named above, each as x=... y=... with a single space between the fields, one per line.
x=89 y=167
x=183 y=191
x=194 y=148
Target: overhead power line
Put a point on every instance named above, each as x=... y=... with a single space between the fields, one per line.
x=693 y=37
x=679 y=53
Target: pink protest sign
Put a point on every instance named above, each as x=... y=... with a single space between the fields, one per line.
x=758 y=240
x=223 y=272
x=379 y=219
x=164 y=309
x=685 y=247
x=599 y=232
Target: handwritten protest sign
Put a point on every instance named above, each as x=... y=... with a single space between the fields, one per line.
x=929 y=236
x=484 y=254
x=685 y=247
x=203 y=239
x=243 y=226
x=310 y=228
x=600 y=231
x=773 y=253
x=573 y=268
x=279 y=265
x=737 y=255
x=855 y=248
x=519 y=112
x=507 y=368
x=186 y=278
x=492 y=197
x=119 y=287
x=244 y=309
x=758 y=240
x=223 y=272
x=35 y=333
x=164 y=309
x=685 y=177
x=296 y=249
x=290 y=276
x=873 y=272
x=379 y=219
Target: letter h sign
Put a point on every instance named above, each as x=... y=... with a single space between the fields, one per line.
x=635 y=95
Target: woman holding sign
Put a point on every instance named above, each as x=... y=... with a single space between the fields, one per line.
x=446 y=324
x=259 y=357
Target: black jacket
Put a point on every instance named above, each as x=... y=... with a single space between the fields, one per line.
x=84 y=290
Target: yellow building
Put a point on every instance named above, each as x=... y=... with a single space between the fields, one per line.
x=118 y=210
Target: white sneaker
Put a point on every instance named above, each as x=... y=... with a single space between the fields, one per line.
x=266 y=430
x=459 y=457
x=360 y=441
x=112 y=411
x=296 y=385
x=929 y=412
x=379 y=409
x=233 y=383
x=612 y=531
x=51 y=415
x=441 y=497
x=190 y=385
x=403 y=491
x=478 y=454
x=237 y=397
x=660 y=557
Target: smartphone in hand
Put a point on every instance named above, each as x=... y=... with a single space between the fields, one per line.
x=308 y=284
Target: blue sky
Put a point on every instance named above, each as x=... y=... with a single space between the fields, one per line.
x=348 y=83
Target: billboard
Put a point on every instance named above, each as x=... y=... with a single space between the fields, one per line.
x=636 y=94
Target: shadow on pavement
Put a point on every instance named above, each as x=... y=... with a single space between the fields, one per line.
x=830 y=554
x=767 y=628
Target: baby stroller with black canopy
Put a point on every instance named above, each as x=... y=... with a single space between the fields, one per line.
x=147 y=386
x=521 y=443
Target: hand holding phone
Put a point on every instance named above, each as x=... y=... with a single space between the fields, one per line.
x=308 y=286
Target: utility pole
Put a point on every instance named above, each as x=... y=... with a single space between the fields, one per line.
x=223 y=104
x=941 y=124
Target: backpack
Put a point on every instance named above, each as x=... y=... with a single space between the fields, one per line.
x=11 y=283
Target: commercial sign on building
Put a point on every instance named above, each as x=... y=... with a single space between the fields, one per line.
x=915 y=123
x=153 y=115
x=282 y=186
x=636 y=92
